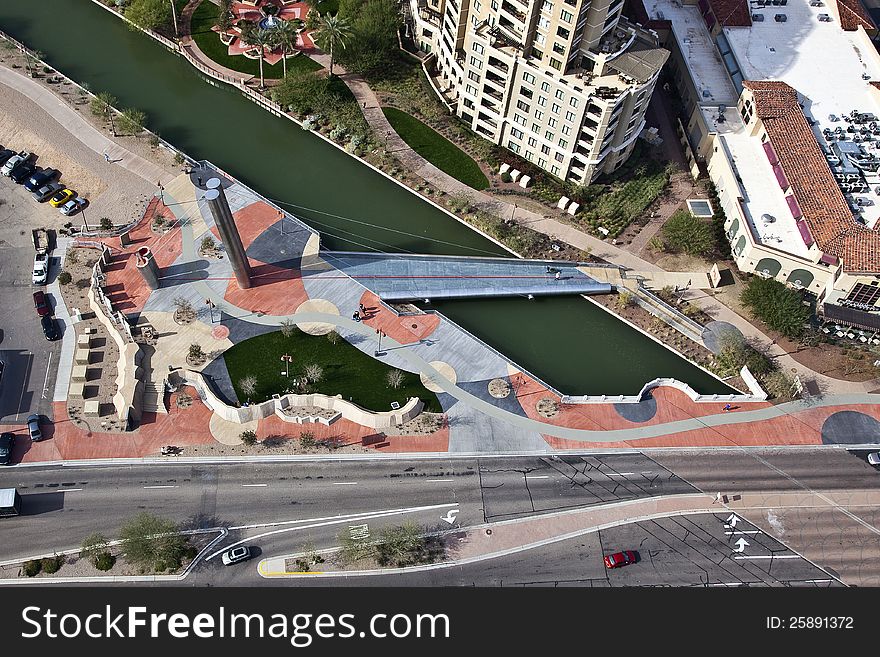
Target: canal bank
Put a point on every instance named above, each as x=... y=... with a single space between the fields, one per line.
x=574 y=346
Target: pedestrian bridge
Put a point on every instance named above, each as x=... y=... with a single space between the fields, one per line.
x=404 y=277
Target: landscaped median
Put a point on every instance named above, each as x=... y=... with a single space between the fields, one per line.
x=435 y=148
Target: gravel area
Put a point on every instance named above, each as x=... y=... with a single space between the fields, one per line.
x=113 y=191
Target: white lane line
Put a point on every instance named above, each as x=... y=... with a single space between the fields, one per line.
x=254 y=485
x=771 y=556
x=67 y=490
x=334 y=520
x=621 y=474
x=437 y=481
x=345 y=483
x=537 y=476
x=46 y=380
x=160 y=486
x=745 y=531
x=24 y=385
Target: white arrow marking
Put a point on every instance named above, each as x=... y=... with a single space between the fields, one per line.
x=732 y=519
x=741 y=545
x=450 y=516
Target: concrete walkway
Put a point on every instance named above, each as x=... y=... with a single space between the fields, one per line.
x=76 y=125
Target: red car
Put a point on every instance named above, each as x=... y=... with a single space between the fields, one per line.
x=41 y=303
x=619 y=559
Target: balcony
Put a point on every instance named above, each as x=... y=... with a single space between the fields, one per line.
x=487 y=120
x=520 y=16
x=492 y=92
x=495 y=79
x=498 y=64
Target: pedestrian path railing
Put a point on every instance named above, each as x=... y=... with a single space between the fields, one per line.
x=757 y=394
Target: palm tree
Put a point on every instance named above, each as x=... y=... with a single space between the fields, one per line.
x=224 y=16
x=254 y=36
x=284 y=36
x=332 y=31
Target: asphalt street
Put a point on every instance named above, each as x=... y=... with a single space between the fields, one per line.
x=30 y=361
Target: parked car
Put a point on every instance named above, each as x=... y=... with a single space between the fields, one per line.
x=7 y=444
x=33 y=425
x=21 y=172
x=874 y=458
x=41 y=303
x=40 y=178
x=14 y=161
x=5 y=154
x=44 y=192
x=50 y=327
x=41 y=268
x=62 y=197
x=73 y=206
x=236 y=555
x=619 y=559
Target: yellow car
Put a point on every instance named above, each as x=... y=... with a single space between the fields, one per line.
x=62 y=197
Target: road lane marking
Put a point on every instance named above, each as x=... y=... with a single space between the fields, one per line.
x=67 y=490
x=323 y=522
x=24 y=385
x=621 y=474
x=437 y=481
x=160 y=486
x=46 y=380
x=745 y=531
x=345 y=483
x=254 y=485
x=537 y=476
x=772 y=556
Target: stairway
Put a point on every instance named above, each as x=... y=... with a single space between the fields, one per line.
x=154 y=398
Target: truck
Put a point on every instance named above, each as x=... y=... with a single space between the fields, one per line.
x=41 y=257
x=10 y=502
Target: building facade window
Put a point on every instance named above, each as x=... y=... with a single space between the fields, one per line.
x=545 y=150
x=556 y=64
x=566 y=130
x=542 y=163
x=573 y=101
x=566 y=16
x=542 y=101
x=539 y=114
x=516 y=133
x=473 y=75
x=528 y=77
x=555 y=109
x=563 y=143
x=569 y=116
x=560 y=94
x=513 y=146
x=532 y=142
x=552 y=122
x=521 y=120
x=545 y=86
x=478 y=48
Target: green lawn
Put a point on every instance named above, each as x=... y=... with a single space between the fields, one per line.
x=347 y=371
x=435 y=148
x=204 y=18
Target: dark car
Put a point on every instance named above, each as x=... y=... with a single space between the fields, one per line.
x=46 y=191
x=40 y=178
x=5 y=154
x=22 y=171
x=7 y=443
x=619 y=559
x=41 y=303
x=50 y=328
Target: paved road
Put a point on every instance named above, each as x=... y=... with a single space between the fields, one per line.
x=307 y=504
x=23 y=349
x=63 y=505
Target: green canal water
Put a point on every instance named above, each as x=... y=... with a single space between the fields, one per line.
x=570 y=343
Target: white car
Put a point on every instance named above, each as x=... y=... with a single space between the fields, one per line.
x=73 y=206
x=236 y=555
x=14 y=161
x=41 y=268
x=874 y=458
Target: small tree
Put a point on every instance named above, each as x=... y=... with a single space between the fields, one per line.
x=394 y=378
x=248 y=437
x=625 y=299
x=248 y=386
x=307 y=439
x=287 y=328
x=333 y=337
x=183 y=309
x=207 y=244
x=195 y=352
x=314 y=373
x=152 y=542
x=93 y=546
x=132 y=121
x=102 y=105
x=106 y=224
x=64 y=278
x=52 y=564
x=33 y=567
x=406 y=545
x=780 y=307
x=354 y=549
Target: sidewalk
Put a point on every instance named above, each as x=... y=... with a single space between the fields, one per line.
x=84 y=131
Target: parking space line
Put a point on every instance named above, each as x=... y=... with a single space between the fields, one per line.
x=437 y=481
x=345 y=483
x=254 y=485
x=160 y=486
x=770 y=556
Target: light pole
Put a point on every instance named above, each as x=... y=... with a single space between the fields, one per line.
x=282 y=221
x=174 y=18
x=210 y=305
x=82 y=211
x=287 y=358
x=161 y=191
x=379 y=335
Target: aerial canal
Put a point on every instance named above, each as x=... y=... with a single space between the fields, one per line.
x=570 y=343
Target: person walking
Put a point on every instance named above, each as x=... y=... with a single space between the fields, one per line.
x=557 y=276
x=727 y=407
x=106 y=157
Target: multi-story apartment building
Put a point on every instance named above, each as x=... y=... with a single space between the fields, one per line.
x=782 y=110
x=562 y=83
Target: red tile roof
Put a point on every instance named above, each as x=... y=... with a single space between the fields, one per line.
x=733 y=13
x=822 y=202
x=853 y=14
